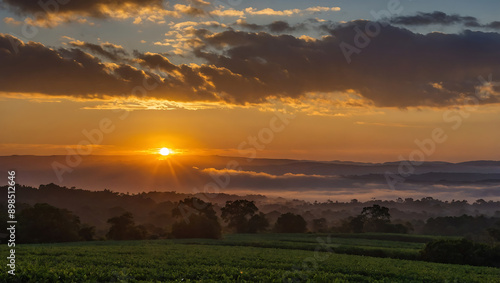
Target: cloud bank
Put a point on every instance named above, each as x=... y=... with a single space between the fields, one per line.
x=441 y=18
x=397 y=68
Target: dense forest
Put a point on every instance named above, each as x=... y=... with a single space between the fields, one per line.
x=156 y=213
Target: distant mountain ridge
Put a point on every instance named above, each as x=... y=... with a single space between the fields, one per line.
x=304 y=179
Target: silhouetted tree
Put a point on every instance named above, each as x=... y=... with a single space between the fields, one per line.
x=480 y=201
x=320 y=225
x=459 y=225
x=199 y=220
x=87 y=232
x=123 y=228
x=3 y=222
x=238 y=213
x=290 y=223
x=44 y=223
x=355 y=224
x=258 y=223
x=494 y=233
x=194 y=205
x=376 y=212
x=376 y=218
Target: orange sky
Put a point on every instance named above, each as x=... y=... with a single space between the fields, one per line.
x=46 y=128
x=205 y=79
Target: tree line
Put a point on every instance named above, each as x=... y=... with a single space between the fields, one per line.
x=195 y=218
x=154 y=208
x=169 y=214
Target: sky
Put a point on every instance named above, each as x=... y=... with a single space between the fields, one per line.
x=367 y=81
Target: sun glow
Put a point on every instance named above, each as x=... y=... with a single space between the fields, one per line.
x=164 y=151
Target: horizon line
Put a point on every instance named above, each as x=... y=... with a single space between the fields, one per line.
x=261 y=158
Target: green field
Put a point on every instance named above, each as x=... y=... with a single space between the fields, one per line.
x=242 y=258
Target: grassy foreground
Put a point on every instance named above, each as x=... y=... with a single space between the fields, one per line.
x=241 y=258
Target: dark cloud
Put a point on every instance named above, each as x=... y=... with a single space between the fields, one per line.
x=34 y=68
x=281 y=26
x=153 y=60
x=276 y=26
x=434 y=18
x=95 y=8
x=244 y=24
x=107 y=50
x=222 y=82
x=493 y=25
x=441 y=18
x=395 y=68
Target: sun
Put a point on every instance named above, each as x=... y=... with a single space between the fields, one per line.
x=164 y=151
